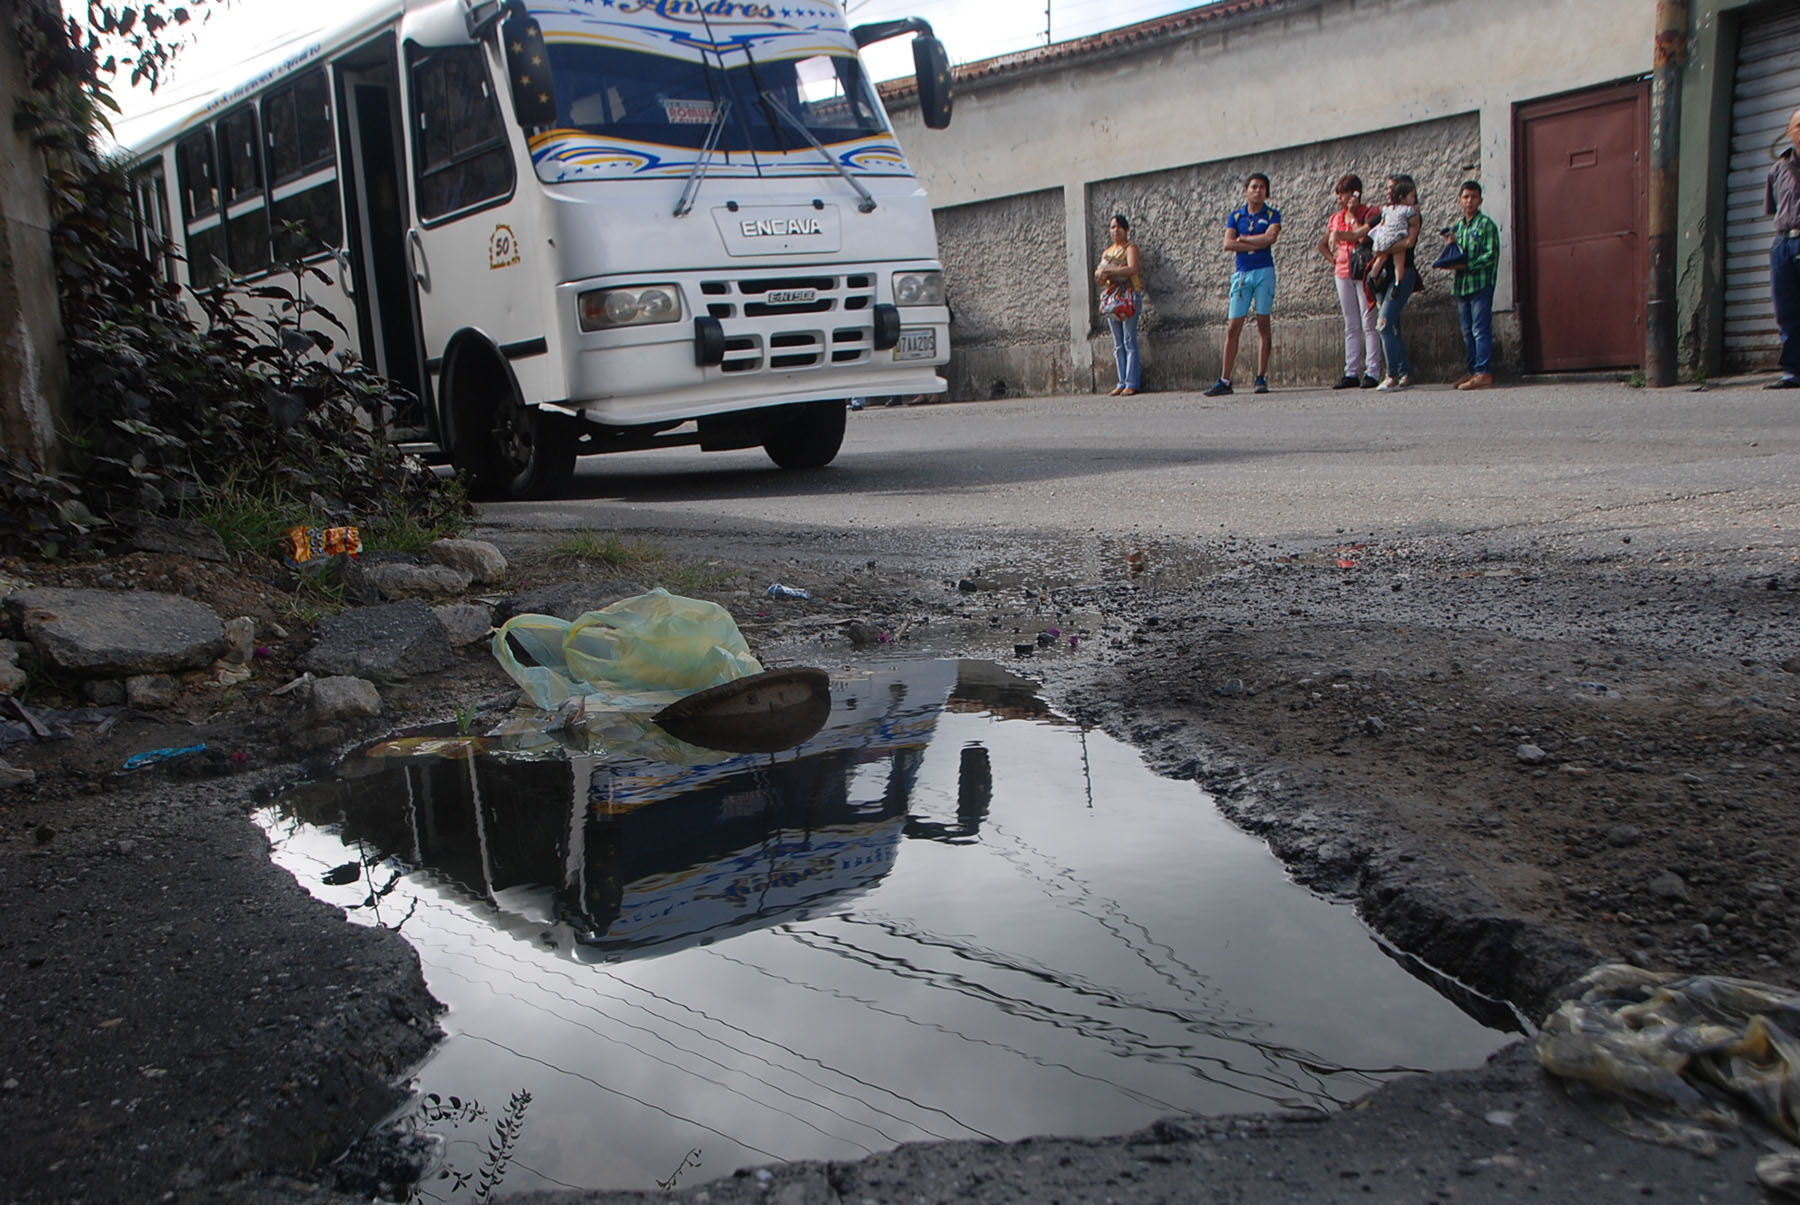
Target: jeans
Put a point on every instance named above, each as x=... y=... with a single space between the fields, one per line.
x=1125 y=351
x=1784 y=282
x=1476 y=314
x=1393 y=343
x=1362 y=349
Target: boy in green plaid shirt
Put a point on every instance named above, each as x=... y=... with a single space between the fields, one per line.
x=1479 y=238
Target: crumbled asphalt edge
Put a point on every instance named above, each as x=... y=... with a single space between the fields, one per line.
x=277 y=1032
x=1335 y=846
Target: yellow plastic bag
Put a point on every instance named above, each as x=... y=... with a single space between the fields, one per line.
x=638 y=654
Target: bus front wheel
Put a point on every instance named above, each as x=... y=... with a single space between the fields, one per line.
x=513 y=452
x=809 y=439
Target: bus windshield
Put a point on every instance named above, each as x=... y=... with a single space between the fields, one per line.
x=633 y=96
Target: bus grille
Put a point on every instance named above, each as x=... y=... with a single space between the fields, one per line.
x=801 y=321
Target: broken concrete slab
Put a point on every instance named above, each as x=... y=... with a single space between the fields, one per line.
x=116 y=634
x=396 y=580
x=482 y=561
x=240 y=639
x=342 y=696
x=565 y=600
x=466 y=622
x=12 y=671
x=383 y=643
x=151 y=691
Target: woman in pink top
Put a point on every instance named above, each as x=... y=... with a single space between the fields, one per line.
x=1349 y=225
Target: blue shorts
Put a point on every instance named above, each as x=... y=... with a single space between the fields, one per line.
x=1254 y=289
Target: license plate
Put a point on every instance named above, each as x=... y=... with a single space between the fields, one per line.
x=916 y=345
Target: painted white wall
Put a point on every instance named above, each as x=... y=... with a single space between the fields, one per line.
x=1307 y=73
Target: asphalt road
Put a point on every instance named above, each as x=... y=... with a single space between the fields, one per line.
x=1567 y=471
x=1582 y=463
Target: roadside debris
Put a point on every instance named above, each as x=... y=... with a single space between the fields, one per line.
x=789 y=592
x=1684 y=1057
x=763 y=713
x=301 y=543
x=638 y=654
x=151 y=757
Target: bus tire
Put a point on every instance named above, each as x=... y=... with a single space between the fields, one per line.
x=808 y=440
x=506 y=450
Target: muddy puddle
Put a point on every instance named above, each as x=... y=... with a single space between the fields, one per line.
x=949 y=914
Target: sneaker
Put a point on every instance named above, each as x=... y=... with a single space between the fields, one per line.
x=1480 y=380
x=1346 y=383
x=1220 y=388
x=1262 y=385
x=1405 y=382
x=1369 y=382
x=1784 y=383
x=1387 y=385
x=1462 y=380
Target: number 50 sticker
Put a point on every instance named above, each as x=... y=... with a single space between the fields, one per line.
x=503 y=248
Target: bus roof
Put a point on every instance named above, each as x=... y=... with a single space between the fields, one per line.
x=184 y=101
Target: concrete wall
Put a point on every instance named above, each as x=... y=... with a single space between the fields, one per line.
x=1164 y=129
x=32 y=370
x=1008 y=297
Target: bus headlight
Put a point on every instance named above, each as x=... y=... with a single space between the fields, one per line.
x=640 y=305
x=918 y=288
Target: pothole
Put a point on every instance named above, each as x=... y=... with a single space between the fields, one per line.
x=950 y=913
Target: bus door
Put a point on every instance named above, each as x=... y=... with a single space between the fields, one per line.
x=376 y=207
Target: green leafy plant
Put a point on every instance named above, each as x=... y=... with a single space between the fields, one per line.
x=252 y=414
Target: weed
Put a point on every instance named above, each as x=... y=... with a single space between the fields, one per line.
x=611 y=550
x=640 y=559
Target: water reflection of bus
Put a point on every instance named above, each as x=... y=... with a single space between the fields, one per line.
x=632 y=847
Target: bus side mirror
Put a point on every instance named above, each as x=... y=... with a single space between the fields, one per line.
x=528 y=69
x=931 y=69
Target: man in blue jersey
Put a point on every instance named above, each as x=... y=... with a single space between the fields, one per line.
x=1250 y=233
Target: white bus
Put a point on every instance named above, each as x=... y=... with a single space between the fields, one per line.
x=579 y=226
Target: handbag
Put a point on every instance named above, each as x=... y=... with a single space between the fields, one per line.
x=1360 y=255
x=1119 y=303
x=1452 y=256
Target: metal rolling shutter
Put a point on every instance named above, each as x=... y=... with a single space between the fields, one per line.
x=1765 y=92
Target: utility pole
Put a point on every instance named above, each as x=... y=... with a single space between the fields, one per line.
x=1665 y=139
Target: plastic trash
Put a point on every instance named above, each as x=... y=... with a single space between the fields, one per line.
x=792 y=592
x=1684 y=1057
x=151 y=757
x=303 y=543
x=639 y=654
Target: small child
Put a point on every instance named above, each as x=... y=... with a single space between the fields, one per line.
x=1396 y=216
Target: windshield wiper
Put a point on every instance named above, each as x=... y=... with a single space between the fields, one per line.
x=714 y=132
x=867 y=204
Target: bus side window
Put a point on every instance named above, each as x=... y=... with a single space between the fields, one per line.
x=197 y=177
x=459 y=138
x=240 y=177
x=303 y=188
x=150 y=208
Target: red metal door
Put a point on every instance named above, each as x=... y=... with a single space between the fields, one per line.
x=1584 y=209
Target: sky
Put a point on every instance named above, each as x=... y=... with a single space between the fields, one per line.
x=970 y=30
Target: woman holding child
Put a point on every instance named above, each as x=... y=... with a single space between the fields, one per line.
x=1345 y=228
x=1393 y=278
